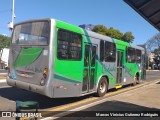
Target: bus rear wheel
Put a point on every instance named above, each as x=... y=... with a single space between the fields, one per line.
x=102 y=87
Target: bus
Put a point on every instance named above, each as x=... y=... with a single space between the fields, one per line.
x=57 y=59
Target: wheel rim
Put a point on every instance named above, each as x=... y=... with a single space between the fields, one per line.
x=102 y=87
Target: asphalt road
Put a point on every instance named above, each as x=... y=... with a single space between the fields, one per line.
x=152 y=75
x=8 y=96
x=140 y=103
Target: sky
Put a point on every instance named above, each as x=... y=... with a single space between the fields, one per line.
x=110 y=13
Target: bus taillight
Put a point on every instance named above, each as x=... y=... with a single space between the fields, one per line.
x=45 y=70
x=44 y=77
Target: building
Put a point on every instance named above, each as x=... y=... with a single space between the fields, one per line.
x=151 y=57
x=87 y=26
x=4 y=58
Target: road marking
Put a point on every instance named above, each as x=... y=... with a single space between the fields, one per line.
x=5 y=87
x=108 y=95
x=2 y=80
x=152 y=70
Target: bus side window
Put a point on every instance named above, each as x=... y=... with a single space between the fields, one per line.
x=138 y=56
x=69 y=45
x=110 y=52
x=102 y=50
x=131 y=55
x=86 y=57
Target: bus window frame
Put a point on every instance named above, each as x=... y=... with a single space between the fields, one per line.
x=113 y=45
x=134 y=60
x=49 y=25
x=102 y=52
x=137 y=56
x=70 y=32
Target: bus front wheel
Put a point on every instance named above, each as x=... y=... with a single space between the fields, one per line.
x=102 y=87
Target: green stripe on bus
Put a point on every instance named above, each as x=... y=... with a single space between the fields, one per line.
x=87 y=36
x=59 y=77
x=27 y=56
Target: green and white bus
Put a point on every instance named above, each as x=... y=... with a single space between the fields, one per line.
x=57 y=59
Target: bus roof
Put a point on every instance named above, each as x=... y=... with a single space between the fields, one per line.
x=137 y=47
x=79 y=30
x=32 y=20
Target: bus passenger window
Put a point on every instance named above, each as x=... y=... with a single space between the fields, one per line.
x=138 y=56
x=93 y=56
x=130 y=55
x=102 y=50
x=69 y=45
x=86 y=57
x=110 y=52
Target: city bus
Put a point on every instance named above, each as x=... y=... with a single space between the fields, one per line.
x=57 y=59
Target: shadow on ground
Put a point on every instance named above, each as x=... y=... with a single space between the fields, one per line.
x=14 y=94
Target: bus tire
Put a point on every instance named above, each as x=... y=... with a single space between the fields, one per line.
x=102 y=87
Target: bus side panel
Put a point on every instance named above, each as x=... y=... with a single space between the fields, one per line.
x=68 y=74
x=101 y=68
x=131 y=69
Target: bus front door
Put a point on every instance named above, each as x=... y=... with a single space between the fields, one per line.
x=89 y=68
x=120 y=67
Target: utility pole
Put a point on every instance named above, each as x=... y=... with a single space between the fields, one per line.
x=13 y=14
x=10 y=24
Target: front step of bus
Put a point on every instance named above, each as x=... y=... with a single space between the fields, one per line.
x=118 y=86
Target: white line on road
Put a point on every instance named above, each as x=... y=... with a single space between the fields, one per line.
x=5 y=87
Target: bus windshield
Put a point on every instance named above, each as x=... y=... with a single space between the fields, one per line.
x=32 y=33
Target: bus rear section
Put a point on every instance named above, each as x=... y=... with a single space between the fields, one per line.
x=29 y=56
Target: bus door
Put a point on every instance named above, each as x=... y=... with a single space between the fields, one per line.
x=120 y=67
x=89 y=67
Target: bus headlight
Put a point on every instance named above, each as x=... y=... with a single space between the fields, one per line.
x=44 y=77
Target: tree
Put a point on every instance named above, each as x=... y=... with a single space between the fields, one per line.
x=157 y=51
x=157 y=61
x=111 y=32
x=114 y=33
x=100 y=29
x=128 y=37
x=4 y=43
x=157 y=57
